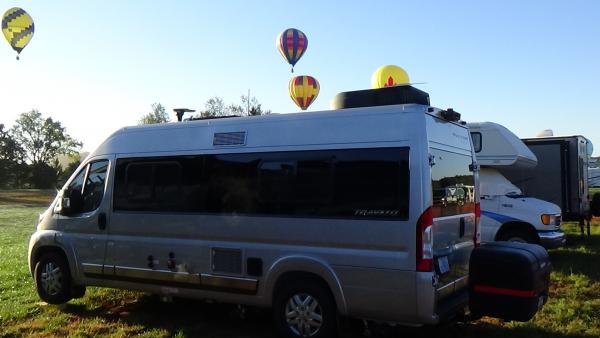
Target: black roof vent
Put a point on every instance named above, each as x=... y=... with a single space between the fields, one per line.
x=380 y=97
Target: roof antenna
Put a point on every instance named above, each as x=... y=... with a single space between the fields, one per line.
x=181 y=111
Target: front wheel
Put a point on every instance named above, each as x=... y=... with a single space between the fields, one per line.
x=518 y=236
x=305 y=309
x=53 y=279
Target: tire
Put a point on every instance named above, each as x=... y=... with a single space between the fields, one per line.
x=595 y=205
x=305 y=308
x=53 y=279
x=518 y=236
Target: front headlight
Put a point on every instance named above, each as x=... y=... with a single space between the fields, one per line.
x=550 y=219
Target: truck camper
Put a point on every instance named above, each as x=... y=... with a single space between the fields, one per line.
x=561 y=176
x=506 y=213
x=313 y=214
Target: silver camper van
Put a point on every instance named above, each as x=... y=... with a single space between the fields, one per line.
x=318 y=214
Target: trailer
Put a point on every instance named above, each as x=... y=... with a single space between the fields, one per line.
x=561 y=176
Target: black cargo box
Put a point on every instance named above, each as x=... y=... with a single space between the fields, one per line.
x=380 y=97
x=508 y=280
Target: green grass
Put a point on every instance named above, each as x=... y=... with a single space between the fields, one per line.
x=573 y=310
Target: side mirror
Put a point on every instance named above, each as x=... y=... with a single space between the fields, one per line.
x=72 y=203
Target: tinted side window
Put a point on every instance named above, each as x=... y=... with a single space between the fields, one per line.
x=231 y=181
x=148 y=185
x=349 y=183
x=94 y=185
x=372 y=183
x=453 y=185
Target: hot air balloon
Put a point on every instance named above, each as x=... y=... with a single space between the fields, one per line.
x=17 y=27
x=292 y=44
x=388 y=76
x=304 y=90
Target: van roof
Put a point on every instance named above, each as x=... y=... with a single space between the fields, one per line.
x=340 y=126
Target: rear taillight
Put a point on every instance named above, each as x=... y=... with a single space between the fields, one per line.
x=477 y=233
x=425 y=241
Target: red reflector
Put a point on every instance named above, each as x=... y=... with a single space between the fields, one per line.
x=424 y=244
x=505 y=292
x=477 y=233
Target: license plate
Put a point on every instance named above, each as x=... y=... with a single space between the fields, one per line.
x=443 y=265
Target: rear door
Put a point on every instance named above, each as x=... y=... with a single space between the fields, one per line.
x=453 y=210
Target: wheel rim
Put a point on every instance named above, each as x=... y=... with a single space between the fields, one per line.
x=51 y=279
x=304 y=315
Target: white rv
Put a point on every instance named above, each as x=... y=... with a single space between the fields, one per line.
x=507 y=214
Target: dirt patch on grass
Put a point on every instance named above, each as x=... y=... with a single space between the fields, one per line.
x=27 y=197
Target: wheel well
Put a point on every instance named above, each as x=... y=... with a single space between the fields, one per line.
x=517 y=226
x=45 y=250
x=290 y=276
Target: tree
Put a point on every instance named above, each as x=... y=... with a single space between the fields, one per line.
x=248 y=107
x=157 y=115
x=11 y=160
x=65 y=172
x=215 y=107
x=253 y=107
x=42 y=139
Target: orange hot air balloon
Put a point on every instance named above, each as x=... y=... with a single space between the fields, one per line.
x=389 y=76
x=304 y=90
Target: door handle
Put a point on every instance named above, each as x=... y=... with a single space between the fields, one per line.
x=462 y=227
x=102 y=221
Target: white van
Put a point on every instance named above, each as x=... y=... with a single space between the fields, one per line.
x=314 y=214
x=507 y=214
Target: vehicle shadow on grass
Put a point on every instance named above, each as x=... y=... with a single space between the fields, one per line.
x=465 y=330
x=572 y=260
x=193 y=318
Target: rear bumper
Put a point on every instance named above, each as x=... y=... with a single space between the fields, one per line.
x=552 y=239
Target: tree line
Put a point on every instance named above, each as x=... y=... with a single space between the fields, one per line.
x=213 y=107
x=30 y=150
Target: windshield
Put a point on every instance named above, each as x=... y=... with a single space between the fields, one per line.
x=492 y=183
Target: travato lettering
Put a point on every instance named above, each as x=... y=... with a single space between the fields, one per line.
x=376 y=213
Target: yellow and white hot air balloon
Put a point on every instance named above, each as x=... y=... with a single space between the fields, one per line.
x=389 y=76
x=17 y=27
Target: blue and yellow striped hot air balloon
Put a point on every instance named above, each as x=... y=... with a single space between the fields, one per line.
x=304 y=90
x=17 y=27
x=292 y=44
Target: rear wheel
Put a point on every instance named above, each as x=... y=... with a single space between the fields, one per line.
x=305 y=309
x=53 y=279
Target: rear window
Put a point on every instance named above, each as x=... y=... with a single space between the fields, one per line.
x=452 y=183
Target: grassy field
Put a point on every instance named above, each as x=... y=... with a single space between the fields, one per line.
x=572 y=311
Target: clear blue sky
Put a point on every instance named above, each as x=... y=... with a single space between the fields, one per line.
x=98 y=65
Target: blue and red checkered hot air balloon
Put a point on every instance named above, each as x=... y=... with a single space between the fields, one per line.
x=304 y=90
x=292 y=44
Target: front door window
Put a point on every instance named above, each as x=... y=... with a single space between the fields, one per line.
x=94 y=185
x=90 y=182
